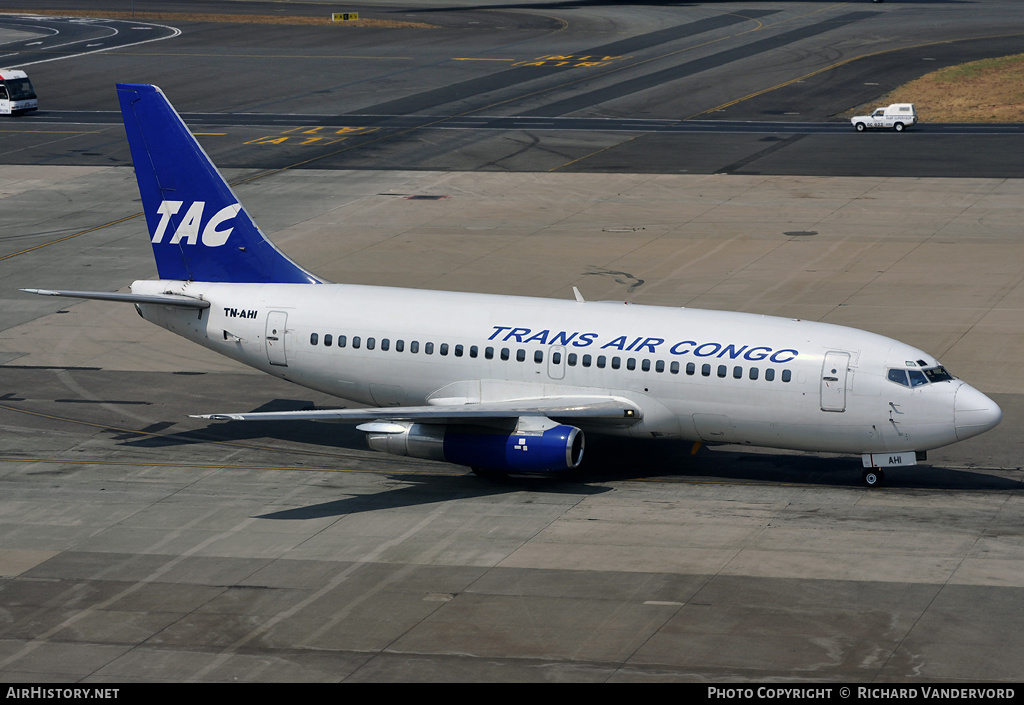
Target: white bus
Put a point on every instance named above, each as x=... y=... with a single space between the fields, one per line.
x=16 y=92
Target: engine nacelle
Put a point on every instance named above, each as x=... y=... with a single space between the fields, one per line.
x=550 y=447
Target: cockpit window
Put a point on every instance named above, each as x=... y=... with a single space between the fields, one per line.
x=917 y=378
x=938 y=374
x=899 y=377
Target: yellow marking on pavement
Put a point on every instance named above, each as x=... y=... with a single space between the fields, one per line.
x=317 y=135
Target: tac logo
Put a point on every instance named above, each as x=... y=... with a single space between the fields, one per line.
x=191 y=227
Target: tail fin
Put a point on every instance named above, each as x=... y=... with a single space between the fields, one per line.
x=199 y=230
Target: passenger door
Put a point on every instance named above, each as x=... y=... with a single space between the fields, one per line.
x=834 y=372
x=277 y=322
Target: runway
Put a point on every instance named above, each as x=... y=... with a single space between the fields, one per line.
x=142 y=545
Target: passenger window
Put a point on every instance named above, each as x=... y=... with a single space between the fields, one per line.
x=690 y=368
x=705 y=370
x=722 y=370
x=444 y=348
x=631 y=363
x=769 y=375
x=899 y=377
x=313 y=338
x=428 y=348
x=659 y=366
x=556 y=357
x=786 y=375
x=385 y=344
x=572 y=359
x=504 y=353
x=342 y=340
x=601 y=361
x=356 y=340
x=459 y=350
x=371 y=343
x=489 y=353
x=538 y=356
x=473 y=351
x=520 y=355
x=674 y=367
x=414 y=347
x=737 y=372
x=616 y=362
x=328 y=339
x=586 y=360
x=399 y=345
x=753 y=373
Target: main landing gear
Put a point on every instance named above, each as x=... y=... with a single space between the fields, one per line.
x=872 y=477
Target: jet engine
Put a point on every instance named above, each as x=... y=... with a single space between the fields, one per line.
x=533 y=446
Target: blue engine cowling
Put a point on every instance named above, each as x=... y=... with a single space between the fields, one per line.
x=559 y=447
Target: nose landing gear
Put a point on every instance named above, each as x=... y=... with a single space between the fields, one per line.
x=872 y=477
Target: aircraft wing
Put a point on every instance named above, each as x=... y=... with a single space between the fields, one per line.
x=613 y=410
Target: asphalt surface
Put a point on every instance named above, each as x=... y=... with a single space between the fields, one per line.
x=669 y=154
x=589 y=90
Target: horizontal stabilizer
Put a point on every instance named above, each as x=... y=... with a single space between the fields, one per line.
x=608 y=409
x=160 y=299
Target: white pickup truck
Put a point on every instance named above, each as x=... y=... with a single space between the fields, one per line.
x=897 y=116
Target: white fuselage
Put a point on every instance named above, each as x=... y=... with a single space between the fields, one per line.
x=696 y=374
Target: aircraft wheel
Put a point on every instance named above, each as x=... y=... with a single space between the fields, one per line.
x=898 y=127
x=872 y=477
x=860 y=127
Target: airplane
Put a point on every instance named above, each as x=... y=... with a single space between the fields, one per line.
x=508 y=384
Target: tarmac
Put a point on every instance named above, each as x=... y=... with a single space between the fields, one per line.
x=140 y=544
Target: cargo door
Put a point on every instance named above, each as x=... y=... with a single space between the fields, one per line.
x=714 y=428
x=834 y=373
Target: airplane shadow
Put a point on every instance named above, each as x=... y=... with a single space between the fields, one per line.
x=422 y=490
x=306 y=432
x=611 y=459
x=643 y=460
x=607 y=460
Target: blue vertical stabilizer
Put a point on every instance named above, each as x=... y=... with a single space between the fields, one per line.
x=198 y=228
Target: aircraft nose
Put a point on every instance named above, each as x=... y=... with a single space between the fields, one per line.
x=973 y=412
